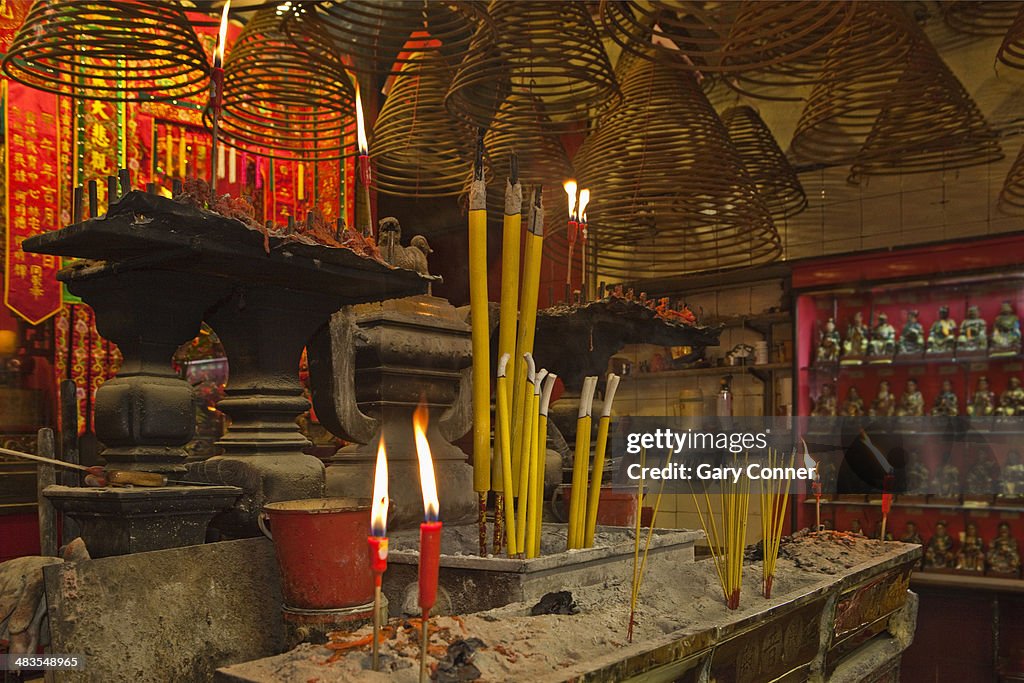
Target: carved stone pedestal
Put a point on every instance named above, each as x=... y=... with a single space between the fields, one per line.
x=369 y=370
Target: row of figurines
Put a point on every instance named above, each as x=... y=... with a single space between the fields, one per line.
x=982 y=403
x=983 y=478
x=972 y=554
x=943 y=337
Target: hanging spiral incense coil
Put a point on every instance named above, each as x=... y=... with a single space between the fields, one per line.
x=669 y=189
x=114 y=50
x=1011 y=51
x=419 y=149
x=767 y=165
x=723 y=36
x=279 y=101
x=862 y=68
x=984 y=18
x=547 y=50
x=929 y=122
x=383 y=36
x=1011 y=197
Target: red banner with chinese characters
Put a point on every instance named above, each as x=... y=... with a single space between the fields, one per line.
x=31 y=289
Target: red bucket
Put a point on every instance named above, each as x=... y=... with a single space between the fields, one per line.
x=322 y=552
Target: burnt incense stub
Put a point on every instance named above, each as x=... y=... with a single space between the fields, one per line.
x=160 y=268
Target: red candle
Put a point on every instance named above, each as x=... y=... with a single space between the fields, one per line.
x=378 y=541
x=430 y=529
x=581 y=216
x=572 y=229
x=364 y=166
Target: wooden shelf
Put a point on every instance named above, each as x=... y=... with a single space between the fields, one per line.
x=926 y=506
x=967 y=581
x=755 y=370
x=753 y=320
x=965 y=363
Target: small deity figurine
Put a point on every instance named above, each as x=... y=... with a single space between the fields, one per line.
x=856 y=342
x=1011 y=401
x=912 y=338
x=911 y=534
x=828 y=346
x=947 y=481
x=938 y=554
x=971 y=557
x=983 y=402
x=912 y=402
x=1005 y=332
x=982 y=476
x=942 y=336
x=1003 y=554
x=825 y=406
x=946 y=403
x=973 y=332
x=853 y=404
x=918 y=476
x=884 y=403
x=1011 y=485
x=883 y=337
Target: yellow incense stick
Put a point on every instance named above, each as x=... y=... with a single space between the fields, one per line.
x=650 y=533
x=480 y=327
x=524 y=461
x=542 y=451
x=594 y=497
x=506 y=455
x=532 y=500
x=580 y=463
x=511 y=234
x=527 y=324
x=636 y=543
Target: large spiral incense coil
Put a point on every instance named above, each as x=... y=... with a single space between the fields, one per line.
x=281 y=102
x=383 y=36
x=1011 y=51
x=767 y=165
x=1011 y=197
x=419 y=149
x=669 y=190
x=929 y=122
x=550 y=51
x=980 y=18
x=861 y=70
x=114 y=50
x=723 y=36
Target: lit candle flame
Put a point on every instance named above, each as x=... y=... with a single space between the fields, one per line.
x=584 y=200
x=379 y=509
x=431 y=506
x=570 y=192
x=222 y=37
x=360 y=124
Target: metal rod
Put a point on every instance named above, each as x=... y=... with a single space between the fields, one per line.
x=94 y=199
x=124 y=176
x=76 y=202
x=111 y=190
x=424 y=637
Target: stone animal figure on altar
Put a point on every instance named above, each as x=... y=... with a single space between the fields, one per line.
x=1003 y=554
x=983 y=402
x=22 y=601
x=911 y=534
x=912 y=338
x=1011 y=401
x=412 y=257
x=973 y=332
x=942 y=336
x=825 y=406
x=883 y=337
x=938 y=554
x=1011 y=485
x=946 y=403
x=912 y=402
x=856 y=342
x=1005 y=332
x=971 y=557
x=982 y=477
x=828 y=346
x=884 y=403
x=853 y=404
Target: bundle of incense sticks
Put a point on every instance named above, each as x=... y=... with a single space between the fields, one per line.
x=774 y=499
x=726 y=531
x=594 y=495
x=640 y=563
x=481 y=341
x=580 y=466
